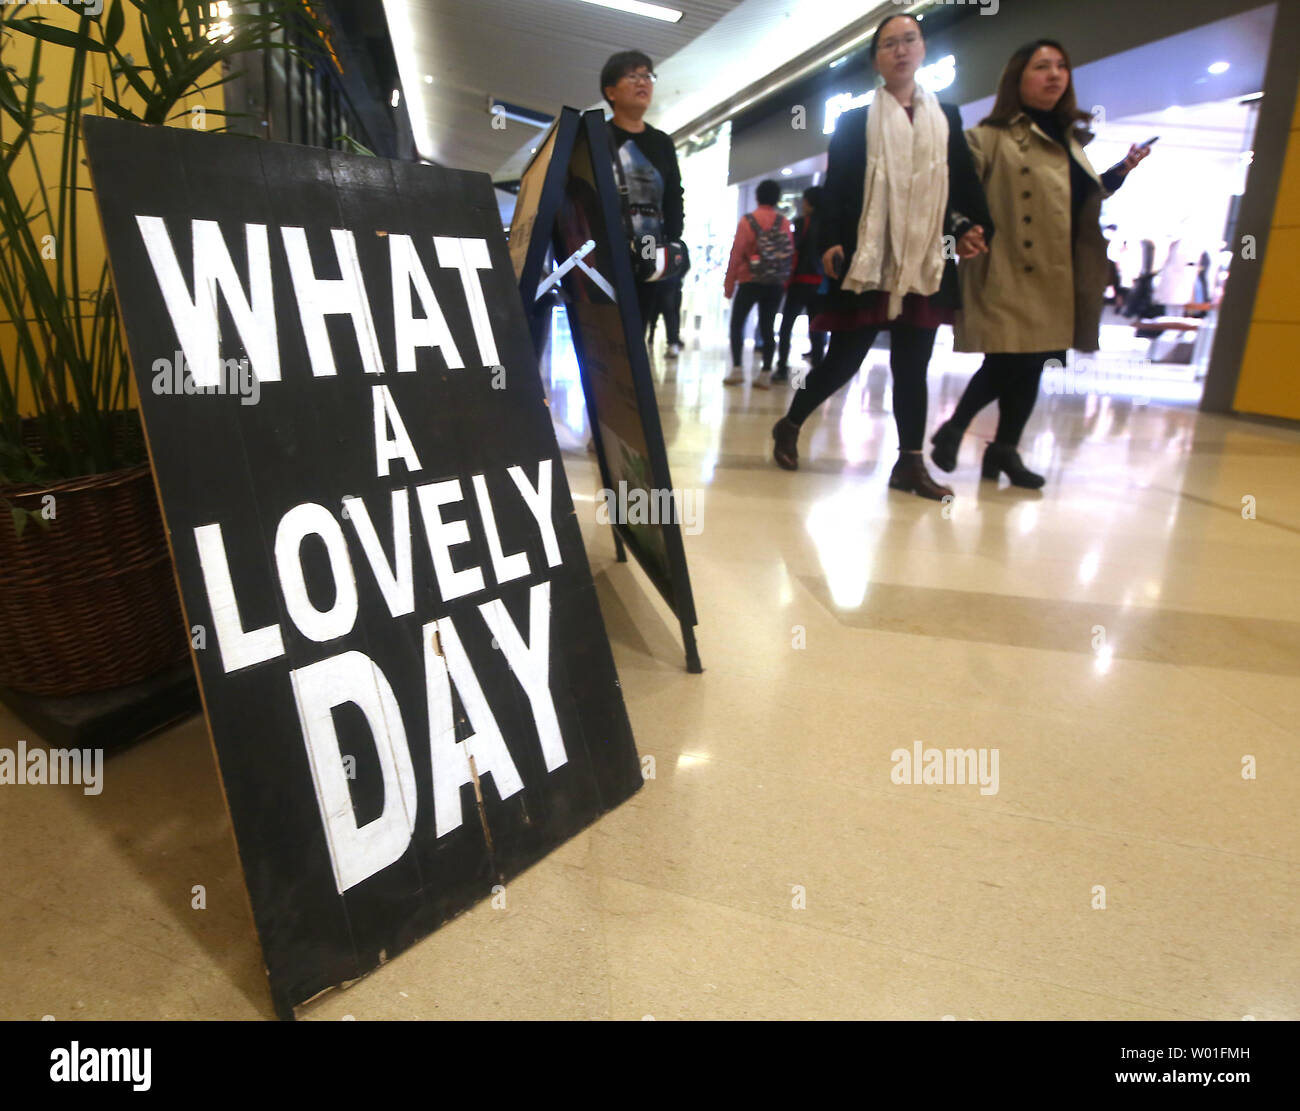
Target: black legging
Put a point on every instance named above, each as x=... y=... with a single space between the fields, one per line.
x=909 y=358
x=1010 y=379
x=799 y=298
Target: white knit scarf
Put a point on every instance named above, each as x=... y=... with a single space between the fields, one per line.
x=900 y=235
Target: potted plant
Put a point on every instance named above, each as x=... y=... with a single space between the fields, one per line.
x=87 y=597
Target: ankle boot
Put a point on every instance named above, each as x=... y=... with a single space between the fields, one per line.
x=785 y=450
x=1004 y=459
x=909 y=474
x=946 y=441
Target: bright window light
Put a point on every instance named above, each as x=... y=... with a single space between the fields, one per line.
x=635 y=7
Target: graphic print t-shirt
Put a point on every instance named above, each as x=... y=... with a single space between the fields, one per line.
x=654 y=185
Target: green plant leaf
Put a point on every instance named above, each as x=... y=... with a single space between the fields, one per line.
x=60 y=36
x=118 y=110
x=19 y=518
x=114 y=24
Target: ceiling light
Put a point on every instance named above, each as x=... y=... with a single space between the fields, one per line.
x=787 y=172
x=636 y=7
x=1220 y=67
x=428 y=78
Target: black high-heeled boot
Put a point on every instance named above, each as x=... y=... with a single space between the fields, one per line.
x=946 y=441
x=1004 y=459
x=785 y=449
x=910 y=476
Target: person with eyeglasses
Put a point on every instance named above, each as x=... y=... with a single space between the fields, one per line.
x=647 y=166
x=901 y=199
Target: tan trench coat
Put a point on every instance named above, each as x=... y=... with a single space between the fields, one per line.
x=1031 y=292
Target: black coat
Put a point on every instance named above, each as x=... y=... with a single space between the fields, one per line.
x=841 y=209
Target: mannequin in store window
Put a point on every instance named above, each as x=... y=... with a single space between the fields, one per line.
x=1040 y=289
x=883 y=246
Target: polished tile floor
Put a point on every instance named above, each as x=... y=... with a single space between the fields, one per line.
x=1121 y=651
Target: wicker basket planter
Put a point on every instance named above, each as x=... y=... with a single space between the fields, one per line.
x=88 y=603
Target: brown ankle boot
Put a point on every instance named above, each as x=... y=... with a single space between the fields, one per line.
x=785 y=450
x=909 y=474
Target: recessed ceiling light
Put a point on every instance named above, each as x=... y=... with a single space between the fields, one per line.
x=428 y=78
x=636 y=7
x=787 y=172
x=1220 y=67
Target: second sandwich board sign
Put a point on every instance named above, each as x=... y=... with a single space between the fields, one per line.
x=405 y=673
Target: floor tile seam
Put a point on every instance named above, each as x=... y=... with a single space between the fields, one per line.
x=1096 y=831
x=826 y=685
x=868 y=942
x=1290 y=729
x=103 y=934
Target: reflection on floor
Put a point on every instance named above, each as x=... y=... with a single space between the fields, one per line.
x=1121 y=653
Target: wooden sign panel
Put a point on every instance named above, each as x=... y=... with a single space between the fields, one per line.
x=569 y=191
x=408 y=684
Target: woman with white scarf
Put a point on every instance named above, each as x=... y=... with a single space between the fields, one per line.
x=900 y=184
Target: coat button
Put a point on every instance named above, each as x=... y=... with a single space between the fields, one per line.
x=1029 y=243
x=1024 y=169
x=1029 y=219
x=1029 y=269
x=1026 y=194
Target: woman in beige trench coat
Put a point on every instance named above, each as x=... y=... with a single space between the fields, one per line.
x=1040 y=287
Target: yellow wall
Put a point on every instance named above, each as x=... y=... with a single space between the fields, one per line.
x=1269 y=383
x=16 y=51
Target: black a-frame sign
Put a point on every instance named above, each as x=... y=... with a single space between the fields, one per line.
x=569 y=205
x=399 y=647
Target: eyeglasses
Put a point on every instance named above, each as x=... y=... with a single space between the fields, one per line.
x=640 y=78
x=907 y=42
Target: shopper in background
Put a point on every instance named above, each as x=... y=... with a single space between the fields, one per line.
x=762 y=259
x=801 y=293
x=668 y=305
x=647 y=162
x=900 y=181
x=1040 y=289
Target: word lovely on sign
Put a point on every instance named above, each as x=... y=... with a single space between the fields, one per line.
x=410 y=691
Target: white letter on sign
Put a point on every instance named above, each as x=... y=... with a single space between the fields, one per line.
x=445 y=535
x=195 y=319
x=400 y=446
x=450 y=757
x=469 y=256
x=356 y=852
x=295 y=526
x=238 y=648
x=531 y=664
x=410 y=333
x=322 y=297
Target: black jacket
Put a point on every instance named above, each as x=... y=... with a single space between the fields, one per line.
x=841 y=209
